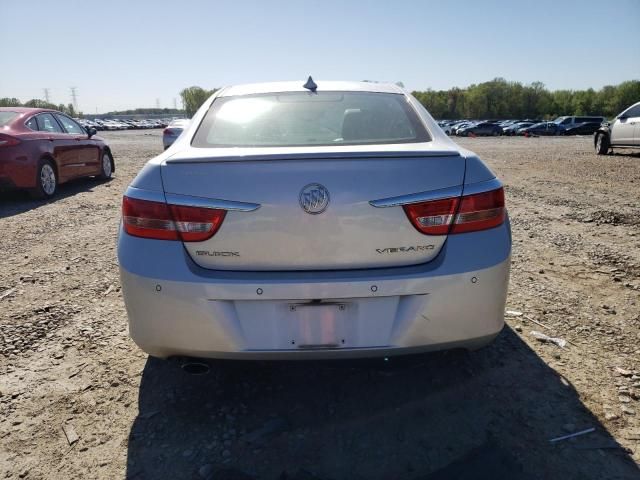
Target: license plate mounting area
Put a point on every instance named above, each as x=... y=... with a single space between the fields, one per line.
x=318 y=325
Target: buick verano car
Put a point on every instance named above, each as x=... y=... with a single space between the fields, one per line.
x=330 y=219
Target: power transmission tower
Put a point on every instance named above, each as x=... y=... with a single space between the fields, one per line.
x=46 y=95
x=157 y=103
x=74 y=97
x=175 y=103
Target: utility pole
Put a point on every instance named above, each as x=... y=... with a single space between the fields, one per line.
x=74 y=97
x=157 y=103
x=175 y=103
x=46 y=95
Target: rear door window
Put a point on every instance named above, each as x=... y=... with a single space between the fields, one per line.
x=32 y=124
x=633 y=111
x=47 y=123
x=69 y=125
x=587 y=119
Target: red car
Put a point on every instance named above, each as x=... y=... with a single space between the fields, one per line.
x=40 y=149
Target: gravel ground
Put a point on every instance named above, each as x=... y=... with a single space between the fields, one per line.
x=79 y=400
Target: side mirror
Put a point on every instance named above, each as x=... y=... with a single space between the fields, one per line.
x=91 y=131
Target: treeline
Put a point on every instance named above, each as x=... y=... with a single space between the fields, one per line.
x=69 y=110
x=502 y=99
x=37 y=103
x=148 y=111
x=495 y=99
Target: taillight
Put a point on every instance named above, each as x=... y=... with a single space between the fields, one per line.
x=469 y=213
x=162 y=221
x=434 y=217
x=8 y=140
x=480 y=211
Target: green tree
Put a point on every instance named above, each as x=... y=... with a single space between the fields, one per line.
x=627 y=93
x=10 y=102
x=193 y=98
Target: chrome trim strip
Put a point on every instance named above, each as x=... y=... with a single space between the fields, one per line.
x=441 y=194
x=189 y=201
x=141 y=194
x=480 y=187
x=417 y=197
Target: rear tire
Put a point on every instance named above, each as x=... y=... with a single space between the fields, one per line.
x=602 y=144
x=46 y=180
x=106 y=166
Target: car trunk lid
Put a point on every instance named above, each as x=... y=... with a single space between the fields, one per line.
x=350 y=233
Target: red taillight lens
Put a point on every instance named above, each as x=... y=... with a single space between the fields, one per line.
x=469 y=213
x=161 y=221
x=432 y=218
x=480 y=212
x=8 y=141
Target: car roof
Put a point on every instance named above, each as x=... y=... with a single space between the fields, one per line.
x=298 y=86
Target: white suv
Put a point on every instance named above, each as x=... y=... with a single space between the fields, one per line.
x=623 y=132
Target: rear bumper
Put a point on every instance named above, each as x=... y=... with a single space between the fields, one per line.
x=176 y=308
x=16 y=169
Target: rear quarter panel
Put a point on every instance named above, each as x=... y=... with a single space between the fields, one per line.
x=20 y=162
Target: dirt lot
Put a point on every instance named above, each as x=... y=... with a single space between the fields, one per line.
x=67 y=363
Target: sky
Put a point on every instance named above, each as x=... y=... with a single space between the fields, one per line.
x=138 y=53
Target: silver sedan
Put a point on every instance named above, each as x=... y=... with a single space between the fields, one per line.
x=171 y=133
x=313 y=220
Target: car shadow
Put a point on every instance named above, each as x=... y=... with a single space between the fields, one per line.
x=484 y=414
x=15 y=202
x=625 y=153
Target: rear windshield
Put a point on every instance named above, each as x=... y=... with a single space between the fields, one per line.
x=310 y=119
x=6 y=117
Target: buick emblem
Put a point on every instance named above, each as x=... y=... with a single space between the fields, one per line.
x=314 y=198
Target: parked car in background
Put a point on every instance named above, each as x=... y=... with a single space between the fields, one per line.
x=123 y=124
x=459 y=125
x=40 y=149
x=623 y=132
x=506 y=123
x=173 y=131
x=513 y=128
x=587 y=128
x=482 y=128
x=110 y=125
x=542 y=128
x=446 y=127
x=288 y=225
x=572 y=121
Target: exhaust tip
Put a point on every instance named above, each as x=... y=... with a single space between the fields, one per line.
x=195 y=368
